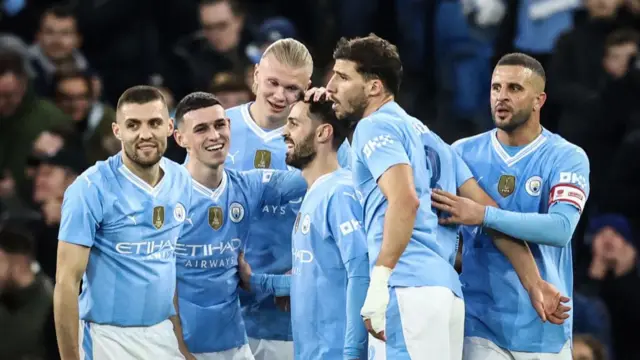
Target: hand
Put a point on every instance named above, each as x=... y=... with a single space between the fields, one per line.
x=624 y=259
x=548 y=302
x=374 y=309
x=316 y=94
x=461 y=210
x=244 y=271
x=283 y=303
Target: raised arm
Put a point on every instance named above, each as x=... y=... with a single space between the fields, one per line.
x=278 y=186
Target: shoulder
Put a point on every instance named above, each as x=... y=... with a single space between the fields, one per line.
x=341 y=187
x=92 y=183
x=564 y=151
x=471 y=141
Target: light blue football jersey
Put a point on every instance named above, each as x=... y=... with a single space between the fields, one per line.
x=132 y=229
x=269 y=243
x=329 y=252
x=386 y=138
x=207 y=253
x=525 y=179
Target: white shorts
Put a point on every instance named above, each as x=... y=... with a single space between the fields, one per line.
x=241 y=353
x=271 y=349
x=107 y=342
x=423 y=323
x=476 y=348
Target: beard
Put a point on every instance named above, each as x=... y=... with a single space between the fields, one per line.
x=303 y=153
x=358 y=106
x=144 y=162
x=517 y=120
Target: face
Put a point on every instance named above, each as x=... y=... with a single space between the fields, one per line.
x=515 y=95
x=221 y=26
x=205 y=133
x=229 y=99
x=347 y=89
x=143 y=130
x=58 y=37
x=582 y=351
x=50 y=183
x=278 y=86
x=12 y=89
x=74 y=98
x=299 y=135
x=602 y=8
x=616 y=60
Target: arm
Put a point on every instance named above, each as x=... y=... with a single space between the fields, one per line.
x=280 y=186
x=358 y=281
x=80 y=218
x=177 y=328
x=516 y=251
x=72 y=262
x=277 y=285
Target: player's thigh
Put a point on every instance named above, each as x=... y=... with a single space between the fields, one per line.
x=476 y=348
x=240 y=353
x=564 y=354
x=456 y=329
x=377 y=349
x=419 y=323
x=271 y=349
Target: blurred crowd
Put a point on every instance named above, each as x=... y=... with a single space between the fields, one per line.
x=63 y=66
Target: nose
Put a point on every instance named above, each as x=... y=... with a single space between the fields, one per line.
x=279 y=94
x=145 y=133
x=330 y=86
x=213 y=134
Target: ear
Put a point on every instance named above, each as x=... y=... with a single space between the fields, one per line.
x=180 y=139
x=539 y=101
x=171 y=126
x=324 y=133
x=116 y=130
x=375 y=87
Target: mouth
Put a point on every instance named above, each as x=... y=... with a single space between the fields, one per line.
x=147 y=147
x=290 y=145
x=502 y=111
x=214 y=148
x=276 y=108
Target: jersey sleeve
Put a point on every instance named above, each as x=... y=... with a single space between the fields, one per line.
x=278 y=186
x=569 y=179
x=379 y=145
x=82 y=213
x=463 y=173
x=345 y=225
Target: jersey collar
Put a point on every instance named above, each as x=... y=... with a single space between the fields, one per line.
x=212 y=194
x=524 y=152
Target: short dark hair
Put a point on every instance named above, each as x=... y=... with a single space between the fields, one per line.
x=61 y=76
x=11 y=62
x=323 y=112
x=60 y=11
x=622 y=37
x=140 y=94
x=15 y=239
x=194 y=101
x=524 y=60
x=375 y=58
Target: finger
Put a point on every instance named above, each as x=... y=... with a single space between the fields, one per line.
x=564 y=299
x=309 y=94
x=445 y=194
x=442 y=199
x=447 y=221
x=442 y=207
x=555 y=320
x=380 y=336
x=241 y=256
x=320 y=93
x=540 y=310
x=367 y=325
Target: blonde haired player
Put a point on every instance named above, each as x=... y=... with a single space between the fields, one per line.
x=281 y=76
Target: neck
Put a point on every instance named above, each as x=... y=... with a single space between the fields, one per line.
x=323 y=164
x=522 y=135
x=376 y=103
x=151 y=175
x=205 y=175
x=259 y=115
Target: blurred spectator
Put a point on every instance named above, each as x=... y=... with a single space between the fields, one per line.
x=231 y=90
x=614 y=267
x=53 y=175
x=92 y=119
x=23 y=116
x=56 y=48
x=624 y=175
x=26 y=299
x=270 y=31
x=586 y=347
x=219 y=46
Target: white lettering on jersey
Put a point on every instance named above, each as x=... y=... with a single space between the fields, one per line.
x=274 y=209
x=573 y=178
x=375 y=143
x=145 y=247
x=350 y=226
x=420 y=128
x=220 y=248
x=568 y=193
